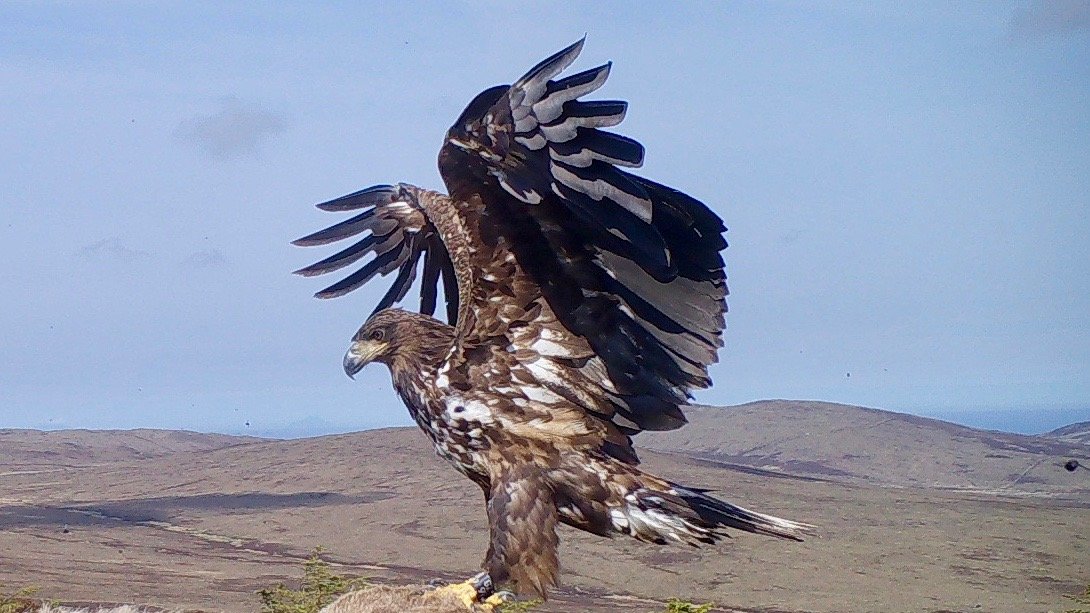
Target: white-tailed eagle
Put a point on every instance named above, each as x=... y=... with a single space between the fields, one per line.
x=584 y=304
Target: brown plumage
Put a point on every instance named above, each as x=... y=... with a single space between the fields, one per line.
x=584 y=304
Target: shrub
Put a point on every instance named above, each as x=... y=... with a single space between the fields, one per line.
x=19 y=601
x=318 y=588
x=677 y=605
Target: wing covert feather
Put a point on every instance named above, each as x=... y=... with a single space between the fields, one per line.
x=400 y=233
x=631 y=267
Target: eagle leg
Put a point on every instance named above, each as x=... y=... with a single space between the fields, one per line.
x=522 y=521
x=475 y=593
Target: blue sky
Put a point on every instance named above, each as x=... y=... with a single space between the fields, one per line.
x=906 y=187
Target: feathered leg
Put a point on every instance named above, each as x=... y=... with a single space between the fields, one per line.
x=522 y=519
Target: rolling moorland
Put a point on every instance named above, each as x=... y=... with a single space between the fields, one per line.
x=913 y=514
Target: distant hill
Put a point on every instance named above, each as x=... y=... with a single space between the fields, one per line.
x=27 y=449
x=814 y=440
x=857 y=444
x=1073 y=433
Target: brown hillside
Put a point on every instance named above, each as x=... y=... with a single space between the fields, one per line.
x=204 y=530
x=860 y=445
x=1073 y=433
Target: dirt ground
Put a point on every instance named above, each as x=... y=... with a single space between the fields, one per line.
x=202 y=530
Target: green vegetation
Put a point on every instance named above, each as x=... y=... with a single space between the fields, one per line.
x=318 y=588
x=677 y=605
x=20 y=601
x=519 y=606
x=1083 y=600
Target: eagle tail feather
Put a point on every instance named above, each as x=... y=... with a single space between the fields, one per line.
x=721 y=513
x=677 y=514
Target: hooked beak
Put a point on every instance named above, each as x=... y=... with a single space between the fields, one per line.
x=360 y=354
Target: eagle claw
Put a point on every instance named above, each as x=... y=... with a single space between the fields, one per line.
x=476 y=593
x=499 y=598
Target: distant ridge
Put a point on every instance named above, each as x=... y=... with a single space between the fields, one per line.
x=1073 y=433
x=859 y=444
x=809 y=439
x=33 y=448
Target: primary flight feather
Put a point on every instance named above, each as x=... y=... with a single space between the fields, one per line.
x=583 y=304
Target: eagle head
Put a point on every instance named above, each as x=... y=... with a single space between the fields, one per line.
x=395 y=336
x=372 y=343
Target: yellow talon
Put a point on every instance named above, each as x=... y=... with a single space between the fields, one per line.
x=472 y=591
x=494 y=601
x=465 y=591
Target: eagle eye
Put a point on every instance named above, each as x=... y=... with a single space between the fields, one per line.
x=377 y=334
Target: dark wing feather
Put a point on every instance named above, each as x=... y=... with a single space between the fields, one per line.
x=632 y=266
x=381 y=265
x=450 y=287
x=406 y=274
x=429 y=284
x=399 y=235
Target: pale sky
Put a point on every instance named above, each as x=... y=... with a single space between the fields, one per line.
x=907 y=188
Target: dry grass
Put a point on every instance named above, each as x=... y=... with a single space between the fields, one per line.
x=383 y=598
x=122 y=609
x=371 y=599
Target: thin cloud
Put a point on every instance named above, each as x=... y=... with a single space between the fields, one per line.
x=207 y=258
x=110 y=249
x=790 y=238
x=1043 y=19
x=236 y=130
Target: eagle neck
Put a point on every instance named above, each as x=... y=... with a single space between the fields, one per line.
x=420 y=354
x=428 y=352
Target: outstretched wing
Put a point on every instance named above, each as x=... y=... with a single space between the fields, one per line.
x=629 y=265
x=399 y=235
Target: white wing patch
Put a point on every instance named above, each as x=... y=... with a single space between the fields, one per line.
x=545 y=346
x=464 y=409
x=540 y=394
